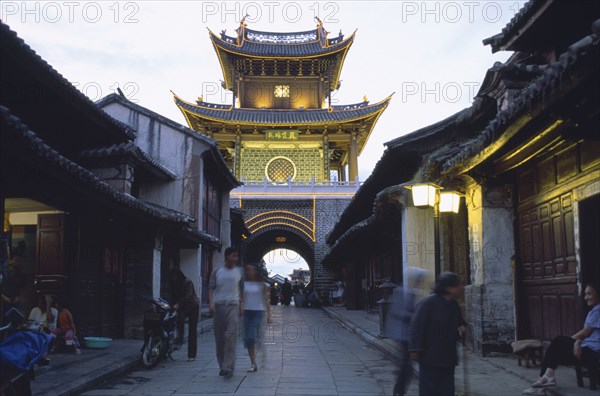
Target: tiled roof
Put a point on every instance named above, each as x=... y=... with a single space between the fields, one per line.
x=280 y=44
x=521 y=17
x=11 y=41
x=128 y=148
x=13 y=125
x=402 y=158
x=216 y=155
x=283 y=117
x=536 y=95
x=116 y=98
x=362 y=228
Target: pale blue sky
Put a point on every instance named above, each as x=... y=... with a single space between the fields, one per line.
x=429 y=53
x=283 y=262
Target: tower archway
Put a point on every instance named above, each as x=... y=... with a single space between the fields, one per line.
x=275 y=234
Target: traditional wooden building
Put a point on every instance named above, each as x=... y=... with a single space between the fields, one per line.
x=200 y=186
x=282 y=124
x=540 y=160
x=92 y=211
x=526 y=158
x=282 y=135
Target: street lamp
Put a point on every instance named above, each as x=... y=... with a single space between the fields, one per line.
x=449 y=201
x=430 y=195
x=424 y=194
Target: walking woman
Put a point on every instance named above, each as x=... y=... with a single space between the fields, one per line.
x=582 y=347
x=187 y=304
x=256 y=302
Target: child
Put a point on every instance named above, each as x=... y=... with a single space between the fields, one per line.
x=65 y=327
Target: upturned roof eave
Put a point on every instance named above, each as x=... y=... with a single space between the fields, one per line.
x=201 y=111
x=223 y=49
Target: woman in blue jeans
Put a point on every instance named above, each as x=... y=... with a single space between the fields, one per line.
x=256 y=302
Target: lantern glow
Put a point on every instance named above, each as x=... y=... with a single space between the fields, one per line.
x=424 y=194
x=449 y=202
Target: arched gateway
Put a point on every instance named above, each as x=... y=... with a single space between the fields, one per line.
x=292 y=217
x=283 y=136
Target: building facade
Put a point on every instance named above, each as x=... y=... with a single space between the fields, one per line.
x=200 y=186
x=295 y=152
x=94 y=210
x=525 y=157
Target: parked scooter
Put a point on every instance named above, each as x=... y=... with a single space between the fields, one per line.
x=20 y=350
x=159 y=332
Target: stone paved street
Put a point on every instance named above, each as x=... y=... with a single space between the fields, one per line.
x=305 y=353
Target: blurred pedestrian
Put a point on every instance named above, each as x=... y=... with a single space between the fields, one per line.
x=225 y=296
x=436 y=327
x=286 y=293
x=186 y=303
x=256 y=302
x=274 y=295
x=397 y=323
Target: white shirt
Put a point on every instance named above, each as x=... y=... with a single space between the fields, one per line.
x=38 y=316
x=254 y=296
x=226 y=284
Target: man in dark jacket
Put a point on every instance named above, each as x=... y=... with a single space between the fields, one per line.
x=187 y=304
x=436 y=327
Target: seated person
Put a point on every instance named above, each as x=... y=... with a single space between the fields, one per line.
x=44 y=314
x=582 y=347
x=314 y=301
x=66 y=326
x=338 y=294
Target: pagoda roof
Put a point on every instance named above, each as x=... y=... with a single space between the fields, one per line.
x=293 y=46
x=336 y=115
x=281 y=117
x=305 y=44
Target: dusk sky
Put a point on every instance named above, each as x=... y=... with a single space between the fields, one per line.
x=429 y=53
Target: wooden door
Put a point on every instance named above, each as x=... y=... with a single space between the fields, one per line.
x=111 y=298
x=50 y=244
x=549 y=302
x=589 y=234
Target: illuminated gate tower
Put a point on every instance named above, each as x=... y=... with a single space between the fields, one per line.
x=284 y=139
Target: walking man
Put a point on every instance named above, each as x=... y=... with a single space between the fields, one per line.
x=397 y=324
x=225 y=294
x=187 y=305
x=435 y=329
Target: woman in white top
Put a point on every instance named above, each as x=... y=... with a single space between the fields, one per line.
x=256 y=302
x=44 y=314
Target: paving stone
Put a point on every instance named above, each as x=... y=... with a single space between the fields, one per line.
x=302 y=366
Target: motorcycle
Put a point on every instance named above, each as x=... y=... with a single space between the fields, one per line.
x=21 y=350
x=159 y=333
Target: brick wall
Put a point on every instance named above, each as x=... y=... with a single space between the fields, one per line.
x=327 y=214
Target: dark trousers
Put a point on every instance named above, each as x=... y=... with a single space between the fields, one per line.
x=404 y=373
x=436 y=381
x=192 y=316
x=560 y=351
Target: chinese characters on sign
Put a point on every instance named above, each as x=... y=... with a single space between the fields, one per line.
x=281 y=134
